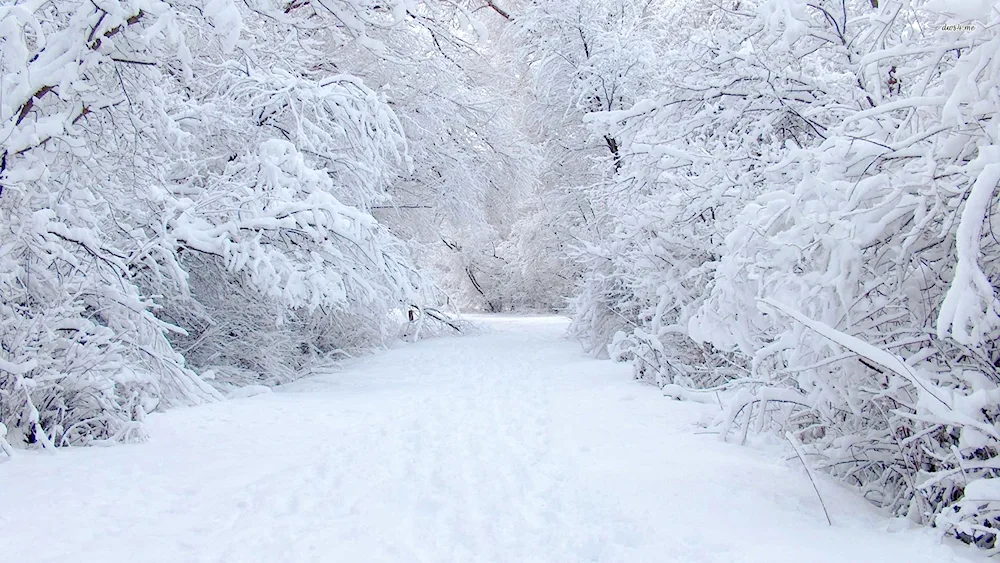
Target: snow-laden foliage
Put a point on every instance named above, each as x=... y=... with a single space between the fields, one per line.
x=83 y=353
x=804 y=213
x=786 y=205
x=582 y=56
x=683 y=175
x=866 y=274
x=184 y=186
x=459 y=110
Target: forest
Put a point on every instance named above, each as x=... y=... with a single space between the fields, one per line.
x=785 y=208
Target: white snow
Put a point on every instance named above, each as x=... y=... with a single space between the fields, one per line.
x=511 y=445
x=970 y=307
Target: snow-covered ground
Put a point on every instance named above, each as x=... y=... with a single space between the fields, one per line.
x=507 y=446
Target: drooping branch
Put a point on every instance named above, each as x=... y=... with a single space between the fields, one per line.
x=503 y=13
x=94 y=45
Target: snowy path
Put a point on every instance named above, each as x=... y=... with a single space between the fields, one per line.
x=508 y=446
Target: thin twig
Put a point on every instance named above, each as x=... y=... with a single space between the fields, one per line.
x=797 y=446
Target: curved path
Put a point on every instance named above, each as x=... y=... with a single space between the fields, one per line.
x=509 y=446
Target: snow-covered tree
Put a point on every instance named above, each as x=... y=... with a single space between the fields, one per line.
x=581 y=57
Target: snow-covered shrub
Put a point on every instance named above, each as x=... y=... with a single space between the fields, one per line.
x=83 y=353
x=293 y=253
x=186 y=178
x=863 y=279
x=804 y=212
x=429 y=322
x=287 y=279
x=691 y=158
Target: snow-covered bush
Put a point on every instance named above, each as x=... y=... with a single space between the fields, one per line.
x=804 y=212
x=864 y=279
x=691 y=158
x=184 y=185
x=83 y=354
